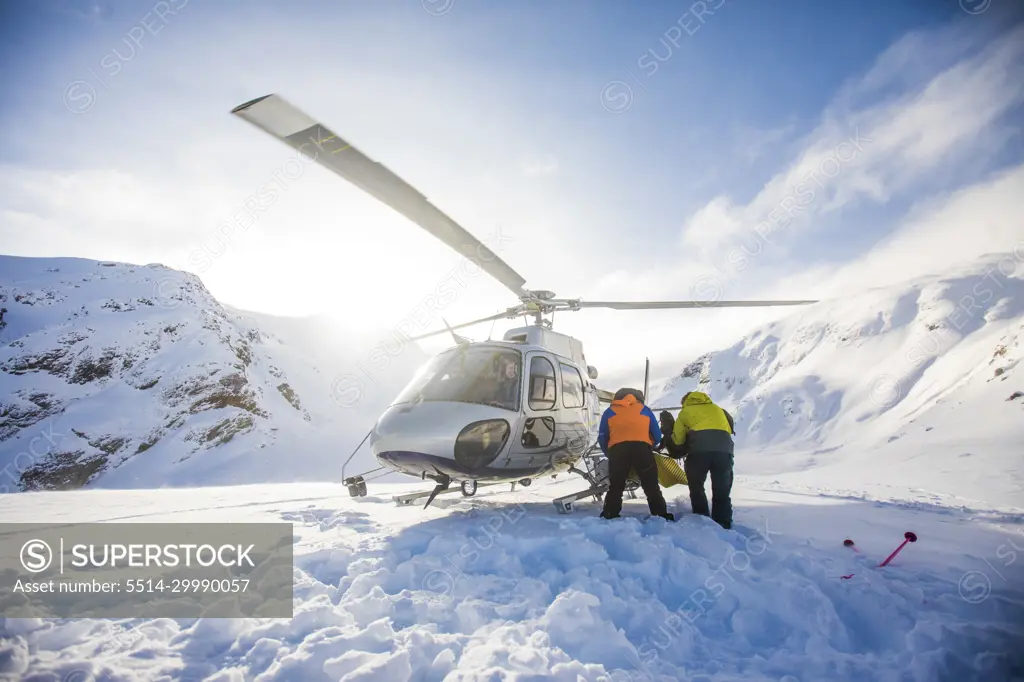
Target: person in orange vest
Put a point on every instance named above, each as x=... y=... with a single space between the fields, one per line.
x=627 y=436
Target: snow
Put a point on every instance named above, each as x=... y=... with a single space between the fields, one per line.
x=865 y=417
x=503 y=587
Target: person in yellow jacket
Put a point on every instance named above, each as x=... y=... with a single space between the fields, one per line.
x=703 y=435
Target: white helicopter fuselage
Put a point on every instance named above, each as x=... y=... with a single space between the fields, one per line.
x=545 y=423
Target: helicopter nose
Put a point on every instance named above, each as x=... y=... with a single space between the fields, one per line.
x=452 y=438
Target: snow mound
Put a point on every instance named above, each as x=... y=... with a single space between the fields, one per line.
x=483 y=591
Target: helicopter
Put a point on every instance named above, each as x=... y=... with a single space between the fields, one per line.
x=479 y=413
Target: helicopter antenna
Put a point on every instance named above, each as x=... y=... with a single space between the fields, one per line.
x=491 y=333
x=647 y=378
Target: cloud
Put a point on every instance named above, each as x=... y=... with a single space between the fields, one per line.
x=873 y=151
x=900 y=178
x=942 y=231
x=157 y=167
x=89 y=211
x=937 y=234
x=152 y=171
x=751 y=144
x=90 y=11
x=545 y=165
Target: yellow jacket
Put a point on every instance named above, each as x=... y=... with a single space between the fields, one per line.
x=703 y=426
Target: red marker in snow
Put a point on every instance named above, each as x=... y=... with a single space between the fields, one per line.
x=910 y=537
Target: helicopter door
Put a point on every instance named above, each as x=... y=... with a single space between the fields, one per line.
x=541 y=426
x=575 y=407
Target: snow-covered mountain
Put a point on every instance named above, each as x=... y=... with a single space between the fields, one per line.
x=135 y=376
x=116 y=375
x=911 y=385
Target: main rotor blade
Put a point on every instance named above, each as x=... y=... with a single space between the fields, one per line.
x=656 y=305
x=278 y=117
x=504 y=314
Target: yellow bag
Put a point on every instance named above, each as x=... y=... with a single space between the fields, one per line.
x=669 y=471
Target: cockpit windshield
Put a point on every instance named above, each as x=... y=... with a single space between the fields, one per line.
x=481 y=375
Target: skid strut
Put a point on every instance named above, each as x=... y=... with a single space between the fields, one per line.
x=443 y=483
x=596 y=474
x=564 y=504
x=357 y=484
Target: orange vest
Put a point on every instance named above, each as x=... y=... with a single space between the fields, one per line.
x=627 y=423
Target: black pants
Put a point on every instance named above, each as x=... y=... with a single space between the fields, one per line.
x=638 y=456
x=719 y=464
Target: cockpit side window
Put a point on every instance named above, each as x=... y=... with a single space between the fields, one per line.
x=542 y=384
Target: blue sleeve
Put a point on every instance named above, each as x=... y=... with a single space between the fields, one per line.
x=602 y=433
x=655 y=427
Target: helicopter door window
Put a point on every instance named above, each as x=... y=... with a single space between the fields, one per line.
x=542 y=384
x=538 y=432
x=572 y=386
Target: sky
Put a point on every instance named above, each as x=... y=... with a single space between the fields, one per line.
x=606 y=151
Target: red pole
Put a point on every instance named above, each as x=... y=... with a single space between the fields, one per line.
x=910 y=537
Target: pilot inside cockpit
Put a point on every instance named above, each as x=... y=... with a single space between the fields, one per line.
x=508 y=382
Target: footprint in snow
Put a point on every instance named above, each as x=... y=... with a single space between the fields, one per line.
x=327 y=519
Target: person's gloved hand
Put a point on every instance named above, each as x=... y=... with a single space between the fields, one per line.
x=675 y=451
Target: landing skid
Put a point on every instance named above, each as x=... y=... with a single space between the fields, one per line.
x=595 y=474
x=409 y=498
